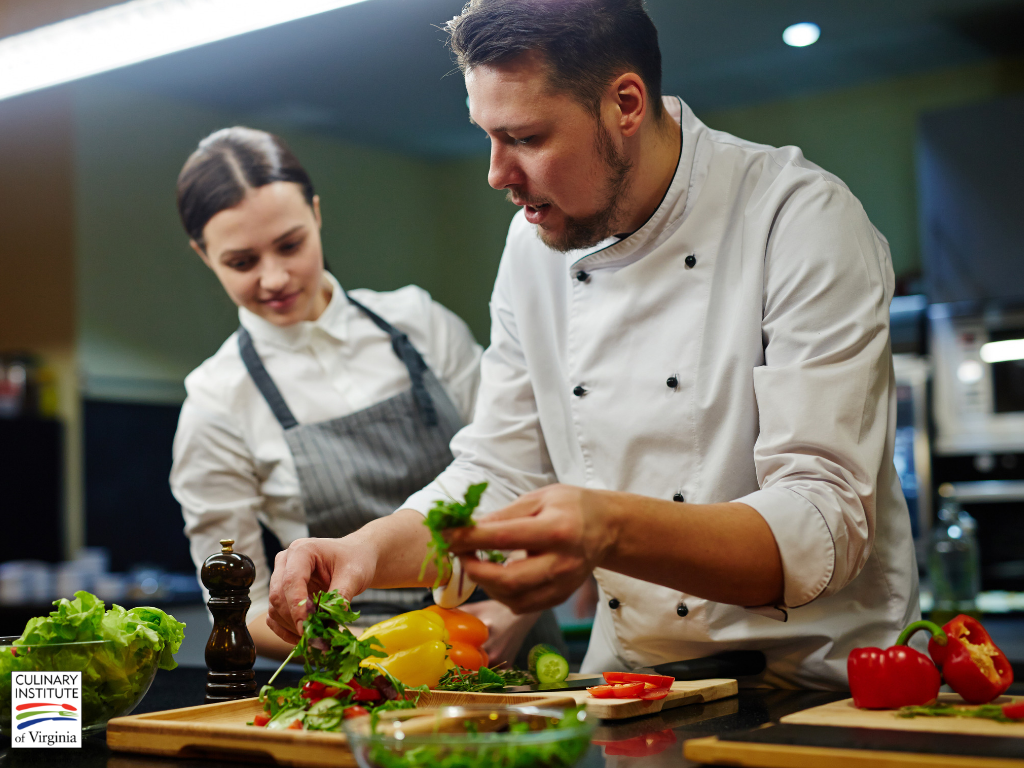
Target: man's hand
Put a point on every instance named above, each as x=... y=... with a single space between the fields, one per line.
x=349 y=565
x=565 y=533
x=507 y=630
x=722 y=552
x=310 y=566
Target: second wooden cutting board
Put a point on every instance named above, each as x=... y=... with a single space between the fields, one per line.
x=683 y=692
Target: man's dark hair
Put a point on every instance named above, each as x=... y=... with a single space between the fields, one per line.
x=586 y=43
x=225 y=166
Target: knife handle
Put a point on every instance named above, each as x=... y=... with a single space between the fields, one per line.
x=727 y=664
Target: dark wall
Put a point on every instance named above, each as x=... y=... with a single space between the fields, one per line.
x=129 y=508
x=31 y=494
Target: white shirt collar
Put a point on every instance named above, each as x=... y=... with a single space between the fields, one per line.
x=332 y=321
x=616 y=252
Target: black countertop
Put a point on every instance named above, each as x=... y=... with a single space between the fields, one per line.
x=640 y=738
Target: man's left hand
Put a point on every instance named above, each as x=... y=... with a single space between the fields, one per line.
x=565 y=532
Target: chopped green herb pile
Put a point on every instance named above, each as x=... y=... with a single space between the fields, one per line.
x=115 y=671
x=485 y=679
x=984 y=711
x=451 y=514
x=333 y=682
x=490 y=749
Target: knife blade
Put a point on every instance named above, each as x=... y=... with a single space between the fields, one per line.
x=579 y=684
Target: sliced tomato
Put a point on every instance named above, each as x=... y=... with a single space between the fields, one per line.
x=617 y=691
x=354 y=711
x=659 y=681
x=330 y=692
x=261 y=720
x=653 y=693
x=296 y=725
x=1014 y=710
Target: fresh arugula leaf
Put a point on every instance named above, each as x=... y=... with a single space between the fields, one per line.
x=483 y=680
x=451 y=514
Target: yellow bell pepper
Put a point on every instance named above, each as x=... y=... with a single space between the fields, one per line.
x=423 y=664
x=406 y=630
x=416 y=647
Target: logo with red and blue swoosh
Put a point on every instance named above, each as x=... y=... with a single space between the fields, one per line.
x=27 y=715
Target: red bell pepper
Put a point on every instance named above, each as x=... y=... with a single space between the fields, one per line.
x=896 y=677
x=971 y=663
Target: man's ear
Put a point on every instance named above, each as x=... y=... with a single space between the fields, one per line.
x=202 y=253
x=316 y=211
x=629 y=97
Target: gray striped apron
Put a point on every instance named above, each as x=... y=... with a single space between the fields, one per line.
x=362 y=466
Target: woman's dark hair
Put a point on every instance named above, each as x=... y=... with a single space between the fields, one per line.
x=586 y=43
x=226 y=165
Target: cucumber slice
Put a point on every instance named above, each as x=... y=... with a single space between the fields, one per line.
x=547 y=664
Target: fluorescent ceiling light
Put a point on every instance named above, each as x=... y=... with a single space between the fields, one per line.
x=970 y=372
x=135 y=31
x=1001 y=351
x=799 y=35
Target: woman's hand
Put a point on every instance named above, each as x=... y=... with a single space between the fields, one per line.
x=507 y=630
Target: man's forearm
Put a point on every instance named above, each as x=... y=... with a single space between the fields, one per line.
x=722 y=552
x=399 y=542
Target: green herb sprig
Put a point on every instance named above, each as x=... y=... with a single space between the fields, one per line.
x=331 y=655
x=984 y=711
x=451 y=514
x=485 y=679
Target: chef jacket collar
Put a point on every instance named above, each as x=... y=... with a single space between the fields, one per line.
x=615 y=252
x=332 y=321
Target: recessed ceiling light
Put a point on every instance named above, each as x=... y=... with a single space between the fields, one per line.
x=132 y=32
x=802 y=34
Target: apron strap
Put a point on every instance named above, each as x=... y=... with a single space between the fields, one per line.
x=263 y=382
x=407 y=353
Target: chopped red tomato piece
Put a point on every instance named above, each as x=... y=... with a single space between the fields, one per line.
x=617 y=691
x=313 y=690
x=261 y=720
x=359 y=693
x=354 y=711
x=330 y=693
x=1014 y=710
x=296 y=725
x=659 y=681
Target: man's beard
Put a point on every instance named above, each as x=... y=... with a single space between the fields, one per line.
x=585 y=231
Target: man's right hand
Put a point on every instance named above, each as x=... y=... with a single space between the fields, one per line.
x=349 y=565
x=310 y=566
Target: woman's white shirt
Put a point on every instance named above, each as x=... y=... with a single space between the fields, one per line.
x=232 y=467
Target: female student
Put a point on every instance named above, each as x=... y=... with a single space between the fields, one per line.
x=325 y=409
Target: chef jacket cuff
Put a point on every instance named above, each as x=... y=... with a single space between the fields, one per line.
x=457 y=590
x=805 y=543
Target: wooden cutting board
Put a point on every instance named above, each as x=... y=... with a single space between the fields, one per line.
x=219 y=731
x=843 y=713
x=841 y=736
x=683 y=692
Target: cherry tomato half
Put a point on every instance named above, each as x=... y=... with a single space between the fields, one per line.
x=359 y=693
x=1014 y=710
x=296 y=725
x=659 y=681
x=261 y=720
x=353 y=711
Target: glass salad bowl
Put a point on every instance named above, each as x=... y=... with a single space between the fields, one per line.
x=114 y=677
x=471 y=736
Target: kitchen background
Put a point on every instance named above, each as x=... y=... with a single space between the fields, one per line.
x=918 y=106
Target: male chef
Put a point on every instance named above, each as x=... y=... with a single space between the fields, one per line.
x=689 y=389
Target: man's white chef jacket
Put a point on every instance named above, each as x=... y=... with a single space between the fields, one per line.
x=762 y=290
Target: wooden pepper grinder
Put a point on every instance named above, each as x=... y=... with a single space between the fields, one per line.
x=230 y=651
